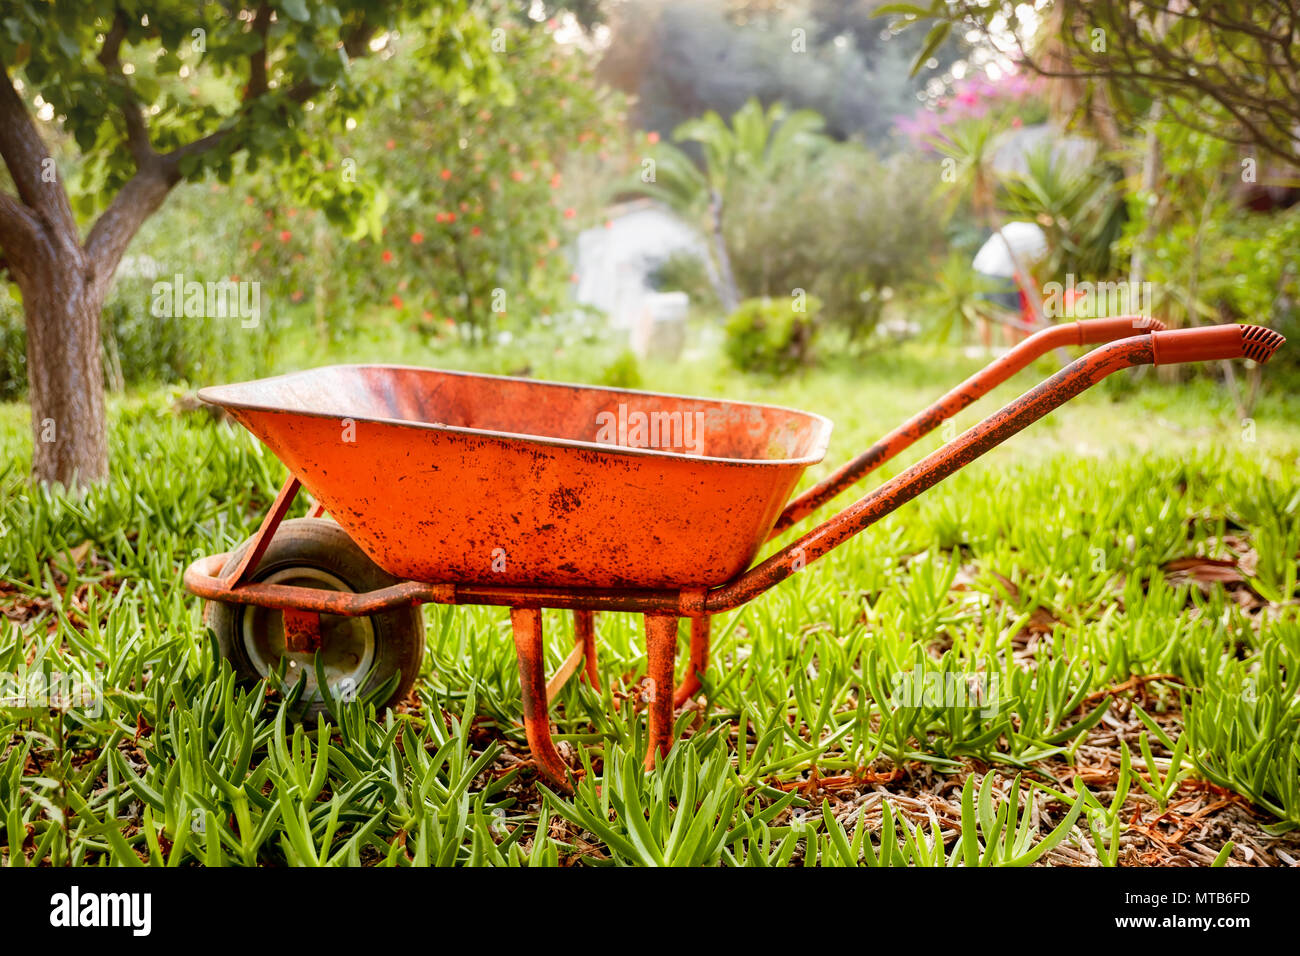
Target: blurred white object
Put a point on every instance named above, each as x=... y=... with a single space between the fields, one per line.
x=1026 y=240
x=660 y=329
x=615 y=262
x=1012 y=150
x=900 y=328
x=139 y=267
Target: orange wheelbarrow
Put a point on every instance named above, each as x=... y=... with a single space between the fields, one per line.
x=454 y=488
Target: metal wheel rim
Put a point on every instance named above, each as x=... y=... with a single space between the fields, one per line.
x=347 y=643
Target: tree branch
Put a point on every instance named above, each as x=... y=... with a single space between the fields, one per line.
x=1232 y=61
x=257 y=80
x=26 y=158
x=157 y=173
x=117 y=225
x=20 y=233
x=137 y=133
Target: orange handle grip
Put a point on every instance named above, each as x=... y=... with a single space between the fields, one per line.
x=1215 y=342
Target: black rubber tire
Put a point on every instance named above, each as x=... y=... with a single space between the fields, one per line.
x=320 y=545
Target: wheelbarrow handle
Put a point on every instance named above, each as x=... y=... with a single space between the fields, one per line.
x=1158 y=348
x=1082 y=332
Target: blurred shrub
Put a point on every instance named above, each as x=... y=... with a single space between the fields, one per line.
x=771 y=336
x=855 y=71
x=623 y=372
x=850 y=231
x=685 y=272
x=1208 y=256
x=13 y=348
x=797 y=211
x=140 y=348
x=951 y=303
x=475 y=212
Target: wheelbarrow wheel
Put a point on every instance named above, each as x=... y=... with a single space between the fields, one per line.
x=358 y=654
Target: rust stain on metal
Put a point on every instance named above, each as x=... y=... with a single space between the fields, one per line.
x=301 y=631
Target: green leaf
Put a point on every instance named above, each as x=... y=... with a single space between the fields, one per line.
x=296 y=10
x=933 y=40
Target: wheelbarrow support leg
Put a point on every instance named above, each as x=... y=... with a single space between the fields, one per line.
x=690 y=685
x=527 y=625
x=584 y=633
x=661 y=648
x=262 y=540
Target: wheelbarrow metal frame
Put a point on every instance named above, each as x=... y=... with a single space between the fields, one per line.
x=663 y=608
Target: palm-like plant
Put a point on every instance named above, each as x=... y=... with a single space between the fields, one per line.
x=758 y=146
x=1080 y=206
x=970 y=145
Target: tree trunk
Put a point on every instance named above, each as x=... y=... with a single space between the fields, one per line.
x=65 y=373
x=1150 y=179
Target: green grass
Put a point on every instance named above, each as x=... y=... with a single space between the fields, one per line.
x=1042 y=573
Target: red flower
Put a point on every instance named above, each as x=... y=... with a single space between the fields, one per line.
x=555 y=181
x=391 y=144
x=297 y=295
x=570 y=213
x=417 y=238
x=387 y=256
x=516 y=175
x=451 y=217
x=475 y=231
x=652 y=137
x=397 y=301
x=257 y=244
x=446 y=174
x=285 y=235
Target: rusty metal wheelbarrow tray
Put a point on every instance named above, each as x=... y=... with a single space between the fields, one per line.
x=475 y=479
x=430 y=472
